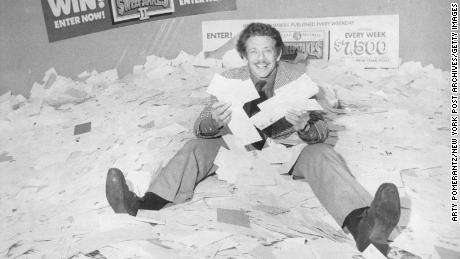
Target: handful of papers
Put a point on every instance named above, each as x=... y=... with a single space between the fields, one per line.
x=295 y=95
x=236 y=92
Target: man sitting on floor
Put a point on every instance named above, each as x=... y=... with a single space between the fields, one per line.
x=368 y=220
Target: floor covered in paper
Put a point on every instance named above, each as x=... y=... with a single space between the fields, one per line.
x=389 y=125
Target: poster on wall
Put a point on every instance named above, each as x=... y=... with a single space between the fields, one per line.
x=142 y=10
x=367 y=41
x=305 y=44
x=299 y=40
x=71 y=18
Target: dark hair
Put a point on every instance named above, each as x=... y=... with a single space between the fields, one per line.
x=258 y=29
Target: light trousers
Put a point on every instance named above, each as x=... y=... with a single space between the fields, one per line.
x=323 y=168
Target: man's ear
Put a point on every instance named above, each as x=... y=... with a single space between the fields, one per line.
x=243 y=57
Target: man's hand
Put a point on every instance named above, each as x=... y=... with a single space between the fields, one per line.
x=298 y=118
x=221 y=113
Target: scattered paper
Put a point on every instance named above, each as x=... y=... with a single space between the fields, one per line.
x=203 y=238
x=101 y=239
x=294 y=248
x=58 y=215
x=112 y=220
x=275 y=153
x=241 y=126
x=262 y=252
x=446 y=253
x=372 y=181
x=272 y=210
x=136 y=249
x=49 y=78
x=227 y=169
x=372 y=252
x=235 y=217
x=4 y=157
x=82 y=128
x=416 y=238
x=139 y=181
x=149 y=216
x=234 y=91
x=147 y=125
x=294 y=152
x=83 y=75
x=234 y=143
x=168 y=131
x=137 y=69
x=326 y=248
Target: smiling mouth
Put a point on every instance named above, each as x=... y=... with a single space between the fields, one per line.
x=262 y=65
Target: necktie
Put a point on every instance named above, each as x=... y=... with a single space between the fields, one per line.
x=251 y=108
x=260 y=84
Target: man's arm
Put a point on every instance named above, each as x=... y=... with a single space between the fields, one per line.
x=206 y=126
x=316 y=130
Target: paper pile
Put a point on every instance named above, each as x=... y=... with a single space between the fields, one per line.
x=53 y=183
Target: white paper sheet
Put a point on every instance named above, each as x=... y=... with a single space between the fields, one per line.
x=372 y=181
x=294 y=95
x=275 y=153
x=234 y=143
x=242 y=127
x=372 y=252
x=203 y=238
x=294 y=154
x=236 y=92
x=232 y=90
x=232 y=164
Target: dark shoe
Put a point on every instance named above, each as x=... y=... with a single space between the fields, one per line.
x=374 y=224
x=386 y=208
x=120 y=198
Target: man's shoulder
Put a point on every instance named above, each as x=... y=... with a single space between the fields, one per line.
x=288 y=72
x=291 y=70
x=236 y=73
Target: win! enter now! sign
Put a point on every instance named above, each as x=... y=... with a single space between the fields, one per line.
x=71 y=18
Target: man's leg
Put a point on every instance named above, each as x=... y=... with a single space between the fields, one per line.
x=177 y=180
x=346 y=200
x=174 y=183
x=331 y=180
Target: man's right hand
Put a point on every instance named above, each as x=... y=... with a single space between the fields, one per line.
x=221 y=113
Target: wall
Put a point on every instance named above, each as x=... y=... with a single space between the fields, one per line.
x=26 y=53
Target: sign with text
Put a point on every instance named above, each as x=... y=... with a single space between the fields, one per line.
x=305 y=44
x=140 y=10
x=298 y=39
x=372 y=41
x=70 y=18
x=368 y=41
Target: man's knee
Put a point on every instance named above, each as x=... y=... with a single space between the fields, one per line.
x=199 y=143
x=316 y=150
x=191 y=144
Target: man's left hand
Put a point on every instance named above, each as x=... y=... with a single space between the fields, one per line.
x=298 y=118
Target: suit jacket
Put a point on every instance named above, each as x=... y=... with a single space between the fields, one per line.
x=315 y=131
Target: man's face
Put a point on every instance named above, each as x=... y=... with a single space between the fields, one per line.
x=261 y=55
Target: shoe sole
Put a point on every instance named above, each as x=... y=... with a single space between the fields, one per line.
x=114 y=190
x=386 y=207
